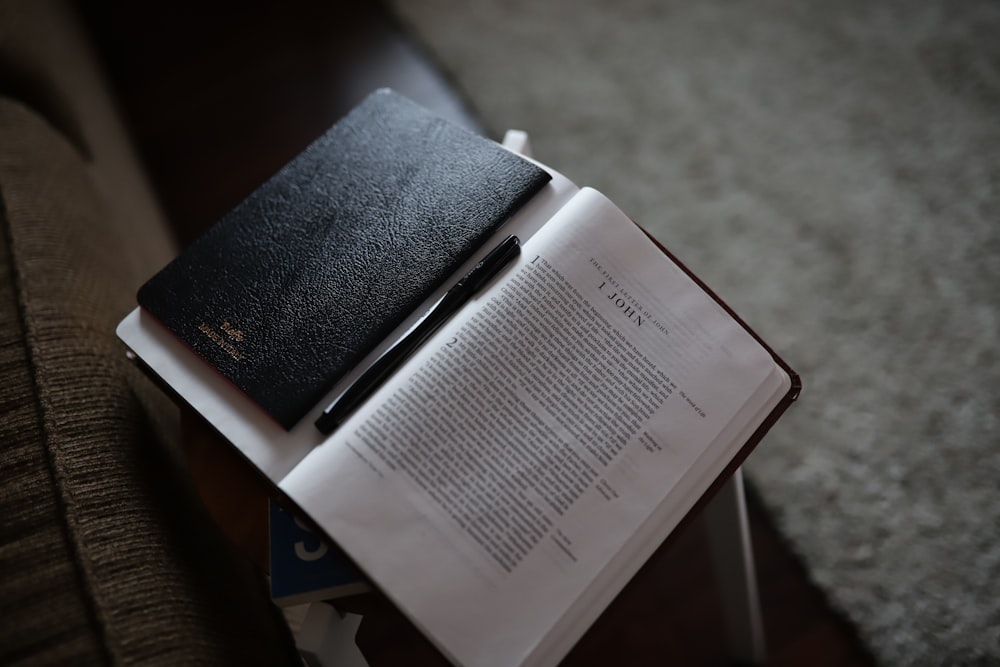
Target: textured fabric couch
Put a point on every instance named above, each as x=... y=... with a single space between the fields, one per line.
x=107 y=556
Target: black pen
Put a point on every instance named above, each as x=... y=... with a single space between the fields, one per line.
x=456 y=297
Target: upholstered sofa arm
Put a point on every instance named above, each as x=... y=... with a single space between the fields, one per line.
x=107 y=554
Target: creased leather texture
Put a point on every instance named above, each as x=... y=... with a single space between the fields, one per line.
x=295 y=285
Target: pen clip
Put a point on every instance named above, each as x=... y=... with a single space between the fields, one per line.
x=490 y=265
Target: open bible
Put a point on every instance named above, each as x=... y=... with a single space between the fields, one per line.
x=507 y=481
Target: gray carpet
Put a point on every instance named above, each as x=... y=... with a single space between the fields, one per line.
x=832 y=169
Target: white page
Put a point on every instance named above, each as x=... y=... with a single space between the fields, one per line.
x=488 y=587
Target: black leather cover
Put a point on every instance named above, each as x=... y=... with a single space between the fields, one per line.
x=295 y=285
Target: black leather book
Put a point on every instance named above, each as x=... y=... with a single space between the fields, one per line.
x=288 y=291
